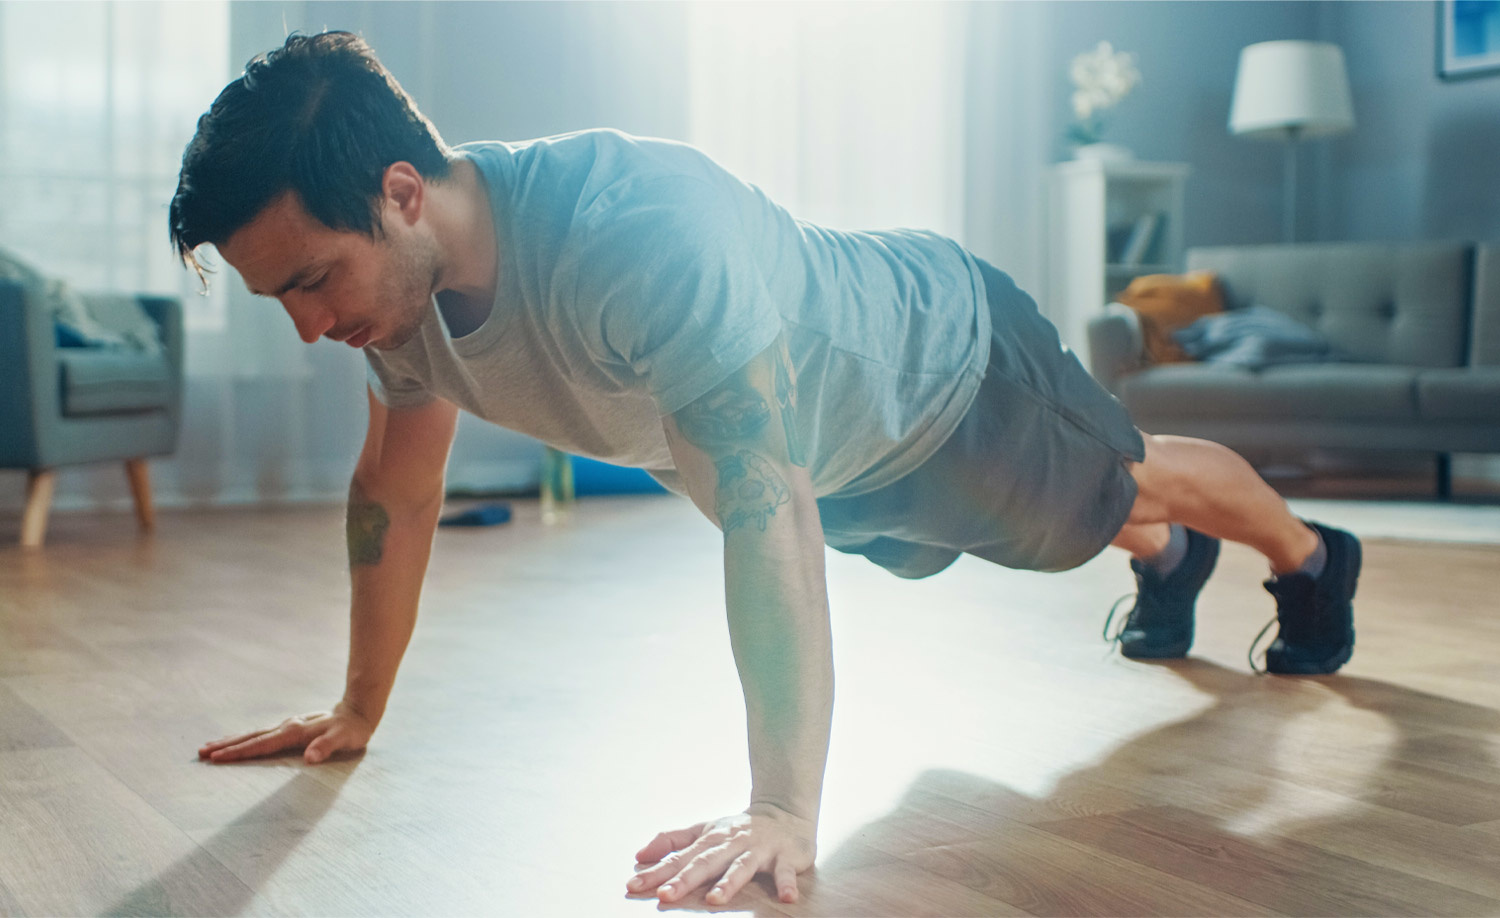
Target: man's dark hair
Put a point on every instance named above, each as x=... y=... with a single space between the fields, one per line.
x=319 y=116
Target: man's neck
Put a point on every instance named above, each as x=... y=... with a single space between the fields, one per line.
x=465 y=231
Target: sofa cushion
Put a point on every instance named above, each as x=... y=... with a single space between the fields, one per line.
x=1320 y=392
x=112 y=381
x=1471 y=394
x=1395 y=303
x=1168 y=302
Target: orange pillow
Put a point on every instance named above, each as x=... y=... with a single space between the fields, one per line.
x=1167 y=302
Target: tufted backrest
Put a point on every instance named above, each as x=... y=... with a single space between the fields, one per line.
x=1400 y=303
x=1484 y=342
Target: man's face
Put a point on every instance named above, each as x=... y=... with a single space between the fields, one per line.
x=338 y=284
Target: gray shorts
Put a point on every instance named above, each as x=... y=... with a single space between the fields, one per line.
x=1033 y=478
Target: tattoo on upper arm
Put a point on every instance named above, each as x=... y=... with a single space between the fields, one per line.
x=728 y=415
x=365 y=527
x=749 y=490
x=728 y=424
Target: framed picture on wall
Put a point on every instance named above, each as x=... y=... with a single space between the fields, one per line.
x=1468 y=37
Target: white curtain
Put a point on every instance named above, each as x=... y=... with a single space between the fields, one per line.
x=847 y=114
x=96 y=103
x=860 y=115
x=869 y=115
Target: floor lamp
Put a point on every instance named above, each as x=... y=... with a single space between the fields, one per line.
x=1290 y=91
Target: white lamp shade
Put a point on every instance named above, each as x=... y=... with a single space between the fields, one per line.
x=1286 y=87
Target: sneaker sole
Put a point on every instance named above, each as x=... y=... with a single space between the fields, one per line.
x=1140 y=650
x=1281 y=666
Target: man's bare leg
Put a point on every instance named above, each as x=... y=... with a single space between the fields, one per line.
x=1214 y=494
x=1210 y=488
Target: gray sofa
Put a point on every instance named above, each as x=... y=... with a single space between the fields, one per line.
x=1421 y=319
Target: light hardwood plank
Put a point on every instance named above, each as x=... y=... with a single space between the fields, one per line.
x=1291 y=877
x=74 y=841
x=570 y=692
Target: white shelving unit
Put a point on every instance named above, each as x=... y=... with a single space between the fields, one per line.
x=1095 y=209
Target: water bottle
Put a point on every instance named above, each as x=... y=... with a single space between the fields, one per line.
x=557 y=485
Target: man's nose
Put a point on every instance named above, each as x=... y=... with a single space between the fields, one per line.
x=311 y=321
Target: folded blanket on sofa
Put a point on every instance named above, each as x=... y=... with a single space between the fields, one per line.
x=1254 y=337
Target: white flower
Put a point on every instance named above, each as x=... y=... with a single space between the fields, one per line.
x=1103 y=77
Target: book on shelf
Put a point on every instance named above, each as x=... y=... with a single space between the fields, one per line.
x=1115 y=238
x=1142 y=237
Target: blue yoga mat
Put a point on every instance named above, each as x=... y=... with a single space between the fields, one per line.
x=591 y=476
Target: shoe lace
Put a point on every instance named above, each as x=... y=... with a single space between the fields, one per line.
x=1124 y=623
x=1250 y=655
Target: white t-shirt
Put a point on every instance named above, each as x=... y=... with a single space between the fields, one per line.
x=636 y=274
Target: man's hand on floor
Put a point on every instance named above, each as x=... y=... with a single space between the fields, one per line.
x=728 y=852
x=322 y=733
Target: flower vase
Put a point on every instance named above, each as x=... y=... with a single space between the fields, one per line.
x=1103 y=152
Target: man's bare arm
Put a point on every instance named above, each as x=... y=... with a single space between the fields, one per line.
x=739 y=453
x=394 y=502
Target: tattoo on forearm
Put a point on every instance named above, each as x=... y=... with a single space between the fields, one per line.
x=749 y=490
x=365 y=526
x=786 y=400
x=726 y=416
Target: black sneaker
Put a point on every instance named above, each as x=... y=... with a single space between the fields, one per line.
x=1160 y=625
x=1316 y=616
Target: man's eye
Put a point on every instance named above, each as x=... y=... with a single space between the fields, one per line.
x=315 y=284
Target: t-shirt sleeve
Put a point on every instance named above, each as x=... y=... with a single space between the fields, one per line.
x=394 y=388
x=668 y=283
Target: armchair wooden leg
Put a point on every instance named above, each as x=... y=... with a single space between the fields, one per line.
x=140 y=489
x=40 y=484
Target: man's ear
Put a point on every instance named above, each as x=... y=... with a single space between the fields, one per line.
x=404 y=189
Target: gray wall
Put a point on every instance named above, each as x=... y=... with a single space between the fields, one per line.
x=1187 y=52
x=1424 y=159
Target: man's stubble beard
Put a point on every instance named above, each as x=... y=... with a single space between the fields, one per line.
x=406 y=291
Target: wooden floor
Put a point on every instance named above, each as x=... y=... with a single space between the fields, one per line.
x=570 y=692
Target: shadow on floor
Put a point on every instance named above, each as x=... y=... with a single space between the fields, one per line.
x=199 y=878
x=1213 y=814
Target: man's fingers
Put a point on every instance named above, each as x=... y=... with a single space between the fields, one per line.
x=740 y=872
x=669 y=865
x=653 y=876
x=228 y=741
x=667 y=842
x=786 y=881
x=318 y=750
x=265 y=744
x=325 y=745
x=701 y=868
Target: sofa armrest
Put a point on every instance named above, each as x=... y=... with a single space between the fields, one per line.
x=29 y=393
x=1116 y=346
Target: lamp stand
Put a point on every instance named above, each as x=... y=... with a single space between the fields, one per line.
x=1289 y=187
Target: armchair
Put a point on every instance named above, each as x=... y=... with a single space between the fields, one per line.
x=71 y=405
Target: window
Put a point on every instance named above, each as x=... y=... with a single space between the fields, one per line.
x=97 y=102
